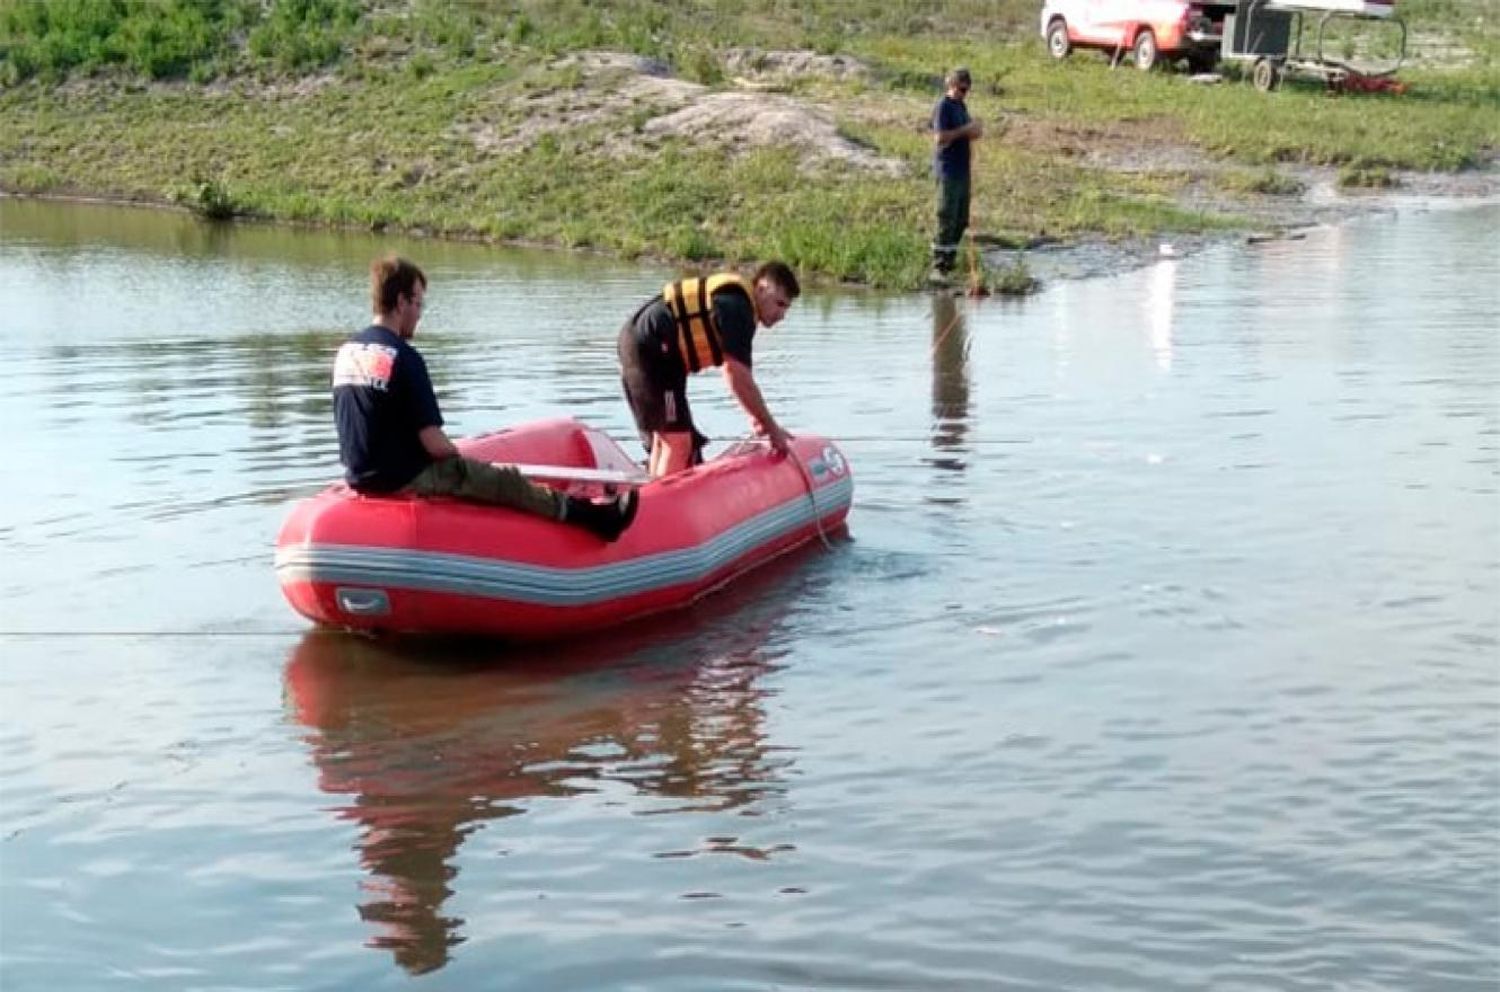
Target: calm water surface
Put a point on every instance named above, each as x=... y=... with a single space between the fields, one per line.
x=1164 y=652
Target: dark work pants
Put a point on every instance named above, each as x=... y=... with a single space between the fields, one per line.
x=481 y=482
x=952 y=221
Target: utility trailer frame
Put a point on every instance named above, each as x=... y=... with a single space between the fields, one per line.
x=1268 y=35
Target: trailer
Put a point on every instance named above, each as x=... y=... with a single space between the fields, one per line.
x=1269 y=35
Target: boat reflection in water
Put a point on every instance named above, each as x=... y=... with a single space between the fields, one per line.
x=429 y=743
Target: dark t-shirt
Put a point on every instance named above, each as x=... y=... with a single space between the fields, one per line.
x=655 y=328
x=951 y=161
x=382 y=399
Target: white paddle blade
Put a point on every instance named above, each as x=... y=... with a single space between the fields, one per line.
x=571 y=473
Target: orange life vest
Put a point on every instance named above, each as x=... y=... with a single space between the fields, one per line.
x=689 y=301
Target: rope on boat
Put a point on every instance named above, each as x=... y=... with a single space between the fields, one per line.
x=811 y=498
x=754 y=441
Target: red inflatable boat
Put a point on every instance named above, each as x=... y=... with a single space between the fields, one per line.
x=418 y=566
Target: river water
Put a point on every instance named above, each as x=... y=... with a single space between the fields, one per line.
x=1163 y=653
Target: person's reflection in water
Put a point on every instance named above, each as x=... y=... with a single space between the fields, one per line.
x=950 y=382
x=431 y=743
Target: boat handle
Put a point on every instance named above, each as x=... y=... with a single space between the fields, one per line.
x=363 y=602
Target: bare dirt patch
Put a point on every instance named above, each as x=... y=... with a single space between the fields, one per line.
x=643 y=103
x=757 y=65
x=760 y=120
x=1154 y=145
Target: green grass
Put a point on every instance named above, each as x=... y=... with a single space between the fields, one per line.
x=169 y=39
x=415 y=115
x=1267 y=182
x=1359 y=175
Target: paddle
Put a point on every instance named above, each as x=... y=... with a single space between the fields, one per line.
x=571 y=473
x=608 y=476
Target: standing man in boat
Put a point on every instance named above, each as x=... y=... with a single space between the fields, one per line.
x=391 y=436
x=692 y=325
x=952 y=132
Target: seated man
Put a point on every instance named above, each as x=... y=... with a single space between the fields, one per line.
x=390 y=429
x=692 y=325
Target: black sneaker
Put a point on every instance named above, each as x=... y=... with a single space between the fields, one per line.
x=605 y=520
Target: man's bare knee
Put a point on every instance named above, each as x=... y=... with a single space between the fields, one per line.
x=672 y=451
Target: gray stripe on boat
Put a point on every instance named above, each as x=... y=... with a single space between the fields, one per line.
x=468 y=575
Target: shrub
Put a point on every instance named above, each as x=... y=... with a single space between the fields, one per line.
x=210 y=199
x=701 y=65
x=1267 y=181
x=305 y=34
x=1013 y=280
x=694 y=245
x=1364 y=175
x=155 y=38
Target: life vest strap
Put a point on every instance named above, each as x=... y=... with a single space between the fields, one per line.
x=690 y=302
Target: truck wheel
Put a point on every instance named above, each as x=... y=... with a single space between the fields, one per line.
x=1058 y=45
x=1266 y=75
x=1144 y=51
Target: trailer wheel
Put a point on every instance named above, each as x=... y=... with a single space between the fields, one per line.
x=1058 y=45
x=1144 y=51
x=1266 y=75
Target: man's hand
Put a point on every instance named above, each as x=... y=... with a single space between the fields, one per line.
x=781 y=441
x=976 y=129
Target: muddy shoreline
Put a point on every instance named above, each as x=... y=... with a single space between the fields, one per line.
x=1286 y=217
x=1320 y=203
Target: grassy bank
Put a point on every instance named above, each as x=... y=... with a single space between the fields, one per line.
x=477 y=121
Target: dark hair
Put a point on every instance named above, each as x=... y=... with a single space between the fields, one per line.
x=391 y=278
x=782 y=275
x=959 y=77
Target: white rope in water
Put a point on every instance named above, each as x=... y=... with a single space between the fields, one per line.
x=847 y=439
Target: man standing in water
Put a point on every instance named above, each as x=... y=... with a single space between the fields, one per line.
x=391 y=436
x=952 y=132
x=692 y=325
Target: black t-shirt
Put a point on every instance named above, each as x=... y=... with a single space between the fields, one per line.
x=382 y=400
x=951 y=161
x=734 y=316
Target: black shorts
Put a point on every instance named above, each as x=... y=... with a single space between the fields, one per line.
x=655 y=387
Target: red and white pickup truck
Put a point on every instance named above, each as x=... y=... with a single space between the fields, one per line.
x=1148 y=31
